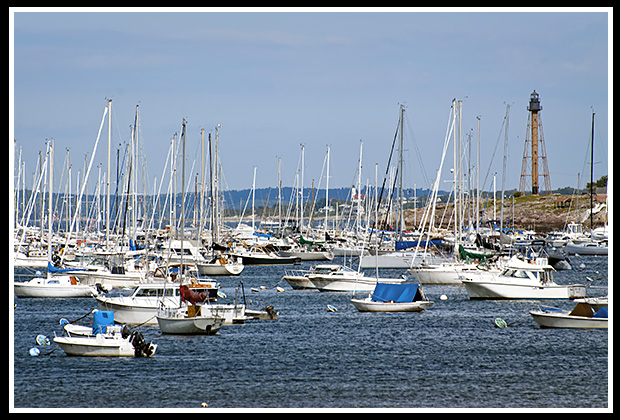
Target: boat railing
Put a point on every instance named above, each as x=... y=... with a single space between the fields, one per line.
x=296 y=273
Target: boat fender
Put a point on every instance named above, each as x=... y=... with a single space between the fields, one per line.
x=42 y=340
x=500 y=323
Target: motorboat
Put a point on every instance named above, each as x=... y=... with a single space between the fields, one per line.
x=340 y=278
x=208 y=265
x=188 y=317
x=308 y=250
x=388 y=297
x=583 y=315
x=140 y=307
x=298 y=279
x=587 y=248
x=221 y=265
x=59 y=286
x=444 y=273
x=104 y=339
x=188 y=320
x=521 y=279
x=262 y=255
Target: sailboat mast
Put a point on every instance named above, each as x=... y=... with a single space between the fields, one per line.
x=326 y=193
x=401 y=216
x=49 y=208
x=592 y=173
x=107 y=201
x=183 y=199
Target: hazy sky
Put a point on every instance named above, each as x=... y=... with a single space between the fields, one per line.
x=277 y=79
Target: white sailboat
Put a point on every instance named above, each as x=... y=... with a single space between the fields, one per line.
x=394 y=298
x=52 y=286
x=340 y=278
x=186 y=317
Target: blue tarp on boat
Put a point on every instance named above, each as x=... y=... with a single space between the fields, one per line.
x=602 y=313
x=101 y=320
x=400 y=245
x=53 y=269
x=385 y=292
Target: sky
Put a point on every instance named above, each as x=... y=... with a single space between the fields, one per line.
x=276 y=79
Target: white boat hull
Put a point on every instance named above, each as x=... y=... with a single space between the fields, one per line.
x=216 y=269
x=171 y=324
x=48 y=288
x=501 y=290
x=365 y=305
x=98 y=345
x=586 y=248
x=299 y=282
x=129 y=311
x=110 y=280
x=309 y=255
x=353 y=284
x=443 y=274
x=562 y=320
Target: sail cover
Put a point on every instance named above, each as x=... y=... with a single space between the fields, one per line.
x=385 y=292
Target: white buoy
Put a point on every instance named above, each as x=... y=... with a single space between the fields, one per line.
x=34 y=351
x=279 y=289
x=443 y=297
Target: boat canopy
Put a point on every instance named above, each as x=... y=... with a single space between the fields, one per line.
x=386 y=292
x=602 y=313
x=400 y=245
x=53 y=269
x=101 y=320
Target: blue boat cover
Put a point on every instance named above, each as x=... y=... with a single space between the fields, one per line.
x=101 y=320
x=53 y=269
x=385 y=292
x=602 y=313
x=400 y=245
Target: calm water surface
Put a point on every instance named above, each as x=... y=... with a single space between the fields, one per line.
x=450 y=356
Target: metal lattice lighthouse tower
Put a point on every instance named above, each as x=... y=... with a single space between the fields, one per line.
x=534 y=153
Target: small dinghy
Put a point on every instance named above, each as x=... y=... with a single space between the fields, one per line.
x=389 y=297
x=582 y=316
x=104 y=339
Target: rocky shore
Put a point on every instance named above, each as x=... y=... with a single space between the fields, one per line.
x=538 y=213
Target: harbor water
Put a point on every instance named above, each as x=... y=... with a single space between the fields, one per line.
x=449 y=356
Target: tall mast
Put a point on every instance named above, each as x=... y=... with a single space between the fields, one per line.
x=592 y=173
x=455 y=179
x=107 y=201
x=504 y=167
x=401 y=216
x=327 y=192
x=49 y=211
x=202 y=182
x=183 y=198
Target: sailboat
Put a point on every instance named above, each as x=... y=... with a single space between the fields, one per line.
x=394 y=298
x=186 y=319
x=591 y=246
x=52 y=286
